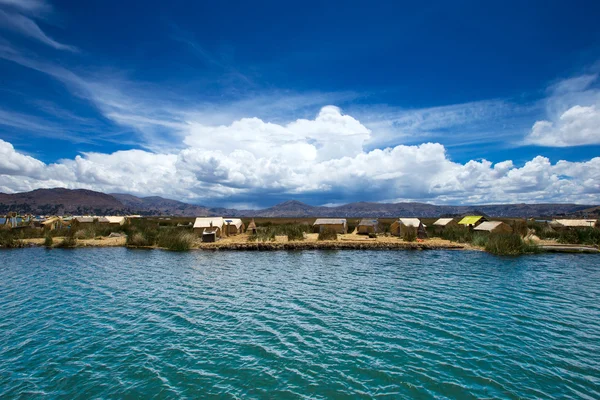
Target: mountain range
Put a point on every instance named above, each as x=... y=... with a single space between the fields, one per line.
x=61 y=201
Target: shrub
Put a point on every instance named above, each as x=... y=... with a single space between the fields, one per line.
x=372 y=235
x=137 y=239
x=409 y=234
x=461 y=234
x=67 y=242
x=48 y=241
x=480 y=239
x=509 y=244
x=588 y=236
x=519 y=226
x=176 y=241
x=8 y=239
x=328 y=234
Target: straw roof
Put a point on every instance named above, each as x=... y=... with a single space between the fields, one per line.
x=368 y=222
x=443 y=221
x=234 y=222
x=488 y=226
x=208 y=222
x=576 y=223
x=330 y=221
x=410 y=222
x=470 y=220
x=115 y=220
x=252 y=225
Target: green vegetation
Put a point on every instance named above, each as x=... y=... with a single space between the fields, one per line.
x=542 y=230
x=510 y=244
x=328 y=234
x=586 y=236
x=409 y=234
x=460 y=234
x=67 y=242
x=48 y=241
x=480 y=239
x=176 y=241
x=9 y=239
x=267 y=232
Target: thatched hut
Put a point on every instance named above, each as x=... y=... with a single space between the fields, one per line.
x=493 y=227
x=443 y=223
x=398 y=228
x=233 y=226
x=366 y=226
x=210 y=224
x=564 y=224
x=251 y=227
x=472 y=221
x=52 y=224
x=339 y=225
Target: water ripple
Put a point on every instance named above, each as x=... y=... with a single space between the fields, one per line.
x=97 y=323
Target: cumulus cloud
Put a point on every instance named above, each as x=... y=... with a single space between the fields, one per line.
x=573 y=108
x=250 y=159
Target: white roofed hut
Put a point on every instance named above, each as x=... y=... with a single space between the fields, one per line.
x=574 y=223
x=115 y=221
x=233 y=226
x=212 y=224
x=443 y=223
x=399 y=227
x=493 y=227
x=339 y=225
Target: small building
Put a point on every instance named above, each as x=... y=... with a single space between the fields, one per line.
x=210 y=223
x=397 y=228
x=493 y=227
x=84 y=220
x=115 y=221
x=209 y=235
x=366 y=226
x=52 y=223
x=251 y=227
x=233 y=226
x=339 y=225
x=573 y=223
x=443 y=223
x=472 y=220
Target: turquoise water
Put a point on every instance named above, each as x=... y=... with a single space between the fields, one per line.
x=113 y=323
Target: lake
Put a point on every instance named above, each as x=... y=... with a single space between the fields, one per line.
x=118 y=323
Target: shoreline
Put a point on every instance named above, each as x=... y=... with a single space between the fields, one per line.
x=238 y=244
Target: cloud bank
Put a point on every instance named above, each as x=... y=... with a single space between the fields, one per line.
x=250 y=159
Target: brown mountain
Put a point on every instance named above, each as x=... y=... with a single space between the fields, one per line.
x=61 y=201
x=65 y=201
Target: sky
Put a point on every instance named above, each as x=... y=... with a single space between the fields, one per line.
x=248 y=104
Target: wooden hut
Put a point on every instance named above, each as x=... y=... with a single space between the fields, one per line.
x=339 y=225
x=493 y=227
x=233 y=226
x=209 y=223
x=397 y=228
x=472 y=221
x=366 y=226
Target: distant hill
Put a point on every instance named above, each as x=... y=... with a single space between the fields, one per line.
x=65 y=201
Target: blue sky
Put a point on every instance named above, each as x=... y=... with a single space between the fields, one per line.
x=247 y=104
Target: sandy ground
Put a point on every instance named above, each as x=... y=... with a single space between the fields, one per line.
x=281 y=242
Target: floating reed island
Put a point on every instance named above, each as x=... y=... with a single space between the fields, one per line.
x=501 y=236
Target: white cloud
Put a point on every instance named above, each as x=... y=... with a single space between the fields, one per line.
x=573 y=108
x=14 y=18
x=250 y=159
